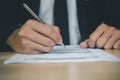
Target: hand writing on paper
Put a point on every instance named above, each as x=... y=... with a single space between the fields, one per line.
x=34 y=37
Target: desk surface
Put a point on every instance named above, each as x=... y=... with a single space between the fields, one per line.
x=60 y=71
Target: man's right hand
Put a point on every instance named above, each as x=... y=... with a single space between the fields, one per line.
x=34 y=37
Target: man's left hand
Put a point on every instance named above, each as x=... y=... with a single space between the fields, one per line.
x=104 y=36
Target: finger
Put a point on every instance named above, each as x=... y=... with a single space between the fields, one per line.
x=84 y=44
x=30 y=45
x=117 y=45
x=57 y=28
x=106 y=36
x=46 y=30
x=113 y=40
x=30 y=51
x=95 y=35
x=37 y=38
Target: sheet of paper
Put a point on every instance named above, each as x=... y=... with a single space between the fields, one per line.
x=64 y=54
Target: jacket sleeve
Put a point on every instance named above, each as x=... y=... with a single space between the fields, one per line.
x=111 y=15
x=12 y=16
x=8 y=22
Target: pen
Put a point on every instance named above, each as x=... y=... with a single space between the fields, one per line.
x=36 y=17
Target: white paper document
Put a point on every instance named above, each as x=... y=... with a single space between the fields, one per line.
x=64 y=54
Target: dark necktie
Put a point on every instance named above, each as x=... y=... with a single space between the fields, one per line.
x=61 y=19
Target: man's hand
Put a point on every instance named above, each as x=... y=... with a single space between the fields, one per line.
x=104 y=36
x=34 y=37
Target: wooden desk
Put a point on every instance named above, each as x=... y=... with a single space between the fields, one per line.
x=60 y=71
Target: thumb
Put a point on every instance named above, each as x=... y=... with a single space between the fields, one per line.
x=84 y=44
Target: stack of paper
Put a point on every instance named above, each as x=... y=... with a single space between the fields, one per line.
x=64 y=54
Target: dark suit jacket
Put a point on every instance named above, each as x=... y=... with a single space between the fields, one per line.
x=91 y=13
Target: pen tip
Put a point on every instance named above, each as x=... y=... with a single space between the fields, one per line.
x=62 y=45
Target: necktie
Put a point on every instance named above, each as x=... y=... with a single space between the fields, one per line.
x=61 y=19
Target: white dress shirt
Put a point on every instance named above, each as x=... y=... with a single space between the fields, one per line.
x=46 y=13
